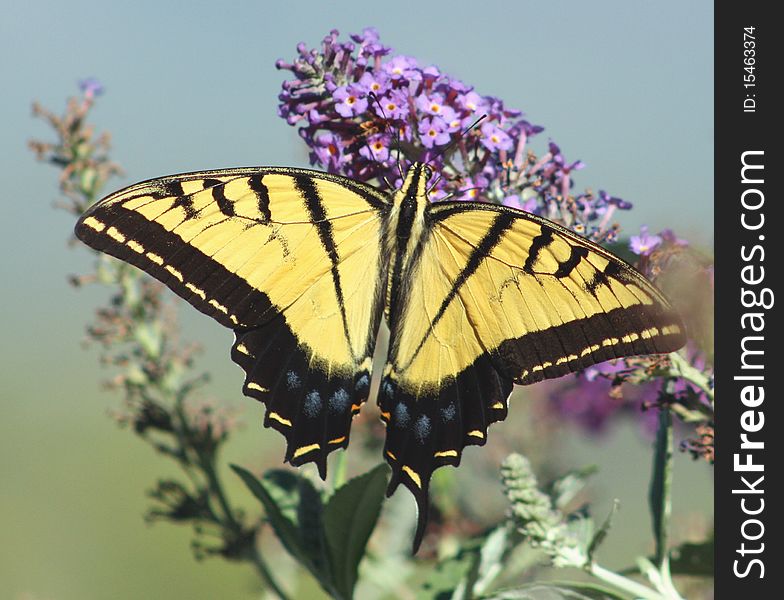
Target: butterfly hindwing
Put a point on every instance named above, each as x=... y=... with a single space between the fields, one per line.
x=496 y=297
x=290 y=259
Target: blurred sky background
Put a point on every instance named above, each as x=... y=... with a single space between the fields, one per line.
x=626 y=87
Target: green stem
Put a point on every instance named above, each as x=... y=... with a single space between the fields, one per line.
x=624 y=583
x=266 y=575
x=659 y=494
x=660 y=499
x=216 y=490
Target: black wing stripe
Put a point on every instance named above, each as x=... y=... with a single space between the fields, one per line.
x=493 y=236
x=171 y=188
x=570 y=264
x=600 y=327
x=539 y=243
x=598 y=279
x=225 y=205
x=611 y=269
x=256 y=183
x=186 y=203
x=318 y=215
x=624 y=322
x=640 y=320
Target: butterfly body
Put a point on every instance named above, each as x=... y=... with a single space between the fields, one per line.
x=303 y=266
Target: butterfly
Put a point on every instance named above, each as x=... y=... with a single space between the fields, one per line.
x=303 y=266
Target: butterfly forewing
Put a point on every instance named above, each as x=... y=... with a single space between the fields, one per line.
x=545 y=301
x=290 y=259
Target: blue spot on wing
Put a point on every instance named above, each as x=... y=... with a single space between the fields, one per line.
x=448 y=413
x=338 y=402
x=362 y=382
x=292 y=380
x=388 y=389
x=422 y=428
x=312 y=404
x=401 y=415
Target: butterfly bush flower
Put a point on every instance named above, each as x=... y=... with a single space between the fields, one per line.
x=644 y=244
x=360 y=108
x=91 y=87
x=432 y=131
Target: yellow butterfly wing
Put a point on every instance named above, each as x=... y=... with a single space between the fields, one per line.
x=290 y=259
x=500 y=296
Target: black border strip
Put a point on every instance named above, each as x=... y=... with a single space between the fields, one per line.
x=738 y=130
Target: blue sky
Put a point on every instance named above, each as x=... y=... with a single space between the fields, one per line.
x=624 y=86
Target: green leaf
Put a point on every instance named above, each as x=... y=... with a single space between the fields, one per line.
x=565 y=488
x=283 y=486
x=349 y=518
x=447 y=579
x=556 y=591
x=443 y=486
x=602 y=532
x=311 y=528
x=491 y=559
x=284 y=528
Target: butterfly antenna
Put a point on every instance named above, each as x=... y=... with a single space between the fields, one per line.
x=396 y=134
x=446 y=148
x=435 y=183
x=460 y=136
x=458 y=193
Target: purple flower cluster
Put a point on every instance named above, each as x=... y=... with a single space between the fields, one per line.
x=366 y=112
x=598 y=395
x=596 y=398
x=362 y=109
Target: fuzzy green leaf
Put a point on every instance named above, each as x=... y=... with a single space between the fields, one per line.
x=556 y=591
x=491 y=559
x=565 y=488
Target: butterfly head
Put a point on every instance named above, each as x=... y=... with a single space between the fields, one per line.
x=415 y=181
